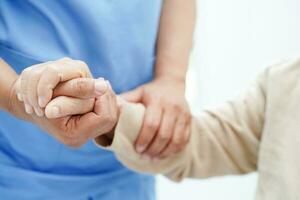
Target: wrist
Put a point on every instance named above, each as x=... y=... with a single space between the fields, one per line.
x=13 y=105
x=170 y=71
x=171 y=78
x=7 y=96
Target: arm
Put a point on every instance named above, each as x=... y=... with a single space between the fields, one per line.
x=175 y=38
x=13 y=87
x=82 y=114
x=8 y=100
x=223 y=140
x=167 y=117
x=7 y=79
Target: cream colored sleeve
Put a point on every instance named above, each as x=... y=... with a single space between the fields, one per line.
x=223 y=141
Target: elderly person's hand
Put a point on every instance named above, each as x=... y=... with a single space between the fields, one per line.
x=38 y=82
x=68 y=125
x=166 y=126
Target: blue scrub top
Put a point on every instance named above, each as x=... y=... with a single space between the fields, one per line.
x=116 y=38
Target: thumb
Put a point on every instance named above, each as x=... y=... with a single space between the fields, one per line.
x=134 y=96
x=63 y=106
x=83 y=88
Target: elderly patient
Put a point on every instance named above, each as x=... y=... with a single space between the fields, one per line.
x=257 y=131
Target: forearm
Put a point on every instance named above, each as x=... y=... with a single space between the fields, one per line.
x=8 y=98
x=175 y=38
x=224 y=140
x=7 y=78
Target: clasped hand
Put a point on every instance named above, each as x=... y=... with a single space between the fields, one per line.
x=63 y=99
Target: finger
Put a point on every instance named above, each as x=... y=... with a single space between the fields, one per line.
x=102 y=102
x=24 y=84
x=106 y=108
x=171 y=150
x=179 y=139
x=151 y=123
x=31 y=92
x=66 y=106
x=62 y=133
x=81 y=88
x=18 y=90
x=164 y=134
x=58 y=72
x=28 y=108
x=134 y=96
x=95 y=123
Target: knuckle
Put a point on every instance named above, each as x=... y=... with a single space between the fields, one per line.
x=152 y=124
x=66 y=58
x=181 y=123
x=177 y=142
x=176 y=107
x=83 y=68
x=26 y=70
x=36 y=73
x=50 y=68
x=186 y=114
x=81 y=63
x=163 y=137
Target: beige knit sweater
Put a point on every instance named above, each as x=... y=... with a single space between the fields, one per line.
x=258 y=131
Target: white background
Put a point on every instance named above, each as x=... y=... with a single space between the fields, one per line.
x=234 y=41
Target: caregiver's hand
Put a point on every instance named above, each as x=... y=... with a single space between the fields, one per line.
x=38 y=82
x=66 y=125
x=167 y=119
x=103 y=115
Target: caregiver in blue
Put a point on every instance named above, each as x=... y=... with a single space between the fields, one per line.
x=141 y=46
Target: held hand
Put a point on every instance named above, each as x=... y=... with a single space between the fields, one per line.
x=102 y=118
x=38 y=82
x=66 y=122
x=166 y=126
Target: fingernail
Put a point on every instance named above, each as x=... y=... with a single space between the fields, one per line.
x=28 y=109
x=55 y=112
x=39 y=112
x=100 y=86
x=42 y=102
x=140 y=148
x=19 y=96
